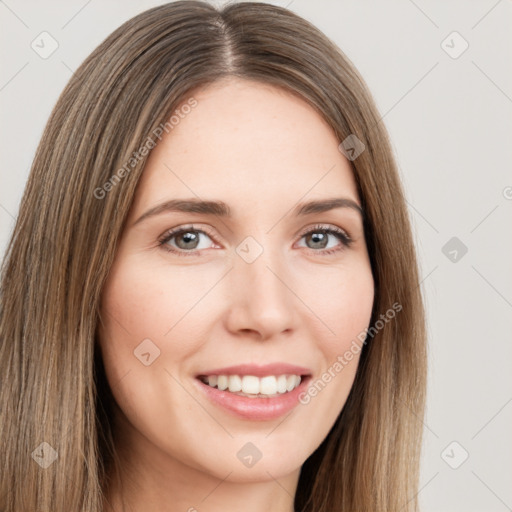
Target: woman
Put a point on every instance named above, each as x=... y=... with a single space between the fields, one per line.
x=210 y=299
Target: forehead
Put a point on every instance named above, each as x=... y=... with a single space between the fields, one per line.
x=243 y=142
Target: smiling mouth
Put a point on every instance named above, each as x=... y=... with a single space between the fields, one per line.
x=251 y=386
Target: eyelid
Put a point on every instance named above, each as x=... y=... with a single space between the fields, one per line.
x=325 y=227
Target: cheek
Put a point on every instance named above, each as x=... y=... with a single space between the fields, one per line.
x=341 y=301
x=342 y=309
x=142 y=302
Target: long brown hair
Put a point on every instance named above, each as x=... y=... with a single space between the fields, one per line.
x=64 y=242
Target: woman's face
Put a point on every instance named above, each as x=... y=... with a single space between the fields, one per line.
x=256 y=297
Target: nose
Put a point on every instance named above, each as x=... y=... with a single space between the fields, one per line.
x=262 y=302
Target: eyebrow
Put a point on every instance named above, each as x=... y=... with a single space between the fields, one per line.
x=221 y=209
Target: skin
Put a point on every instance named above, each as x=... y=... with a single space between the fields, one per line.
x=260 y=150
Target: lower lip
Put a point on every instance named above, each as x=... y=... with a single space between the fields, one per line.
x=255 y=409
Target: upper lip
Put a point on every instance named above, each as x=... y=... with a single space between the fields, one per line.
x=259 y=370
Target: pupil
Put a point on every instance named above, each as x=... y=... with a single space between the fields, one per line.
x=319 y=238
x=187 y=238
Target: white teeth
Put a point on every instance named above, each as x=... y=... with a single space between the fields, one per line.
x=249 y=385
x=222 y=382
x=235 y=383
x=268 y=385
x=281 y=384
x=291 y=382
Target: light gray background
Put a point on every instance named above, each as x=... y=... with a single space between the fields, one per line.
x=450 y=121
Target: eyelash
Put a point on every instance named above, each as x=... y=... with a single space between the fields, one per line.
x=340 y=234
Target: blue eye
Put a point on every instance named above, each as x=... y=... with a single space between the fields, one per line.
x=186 y=241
